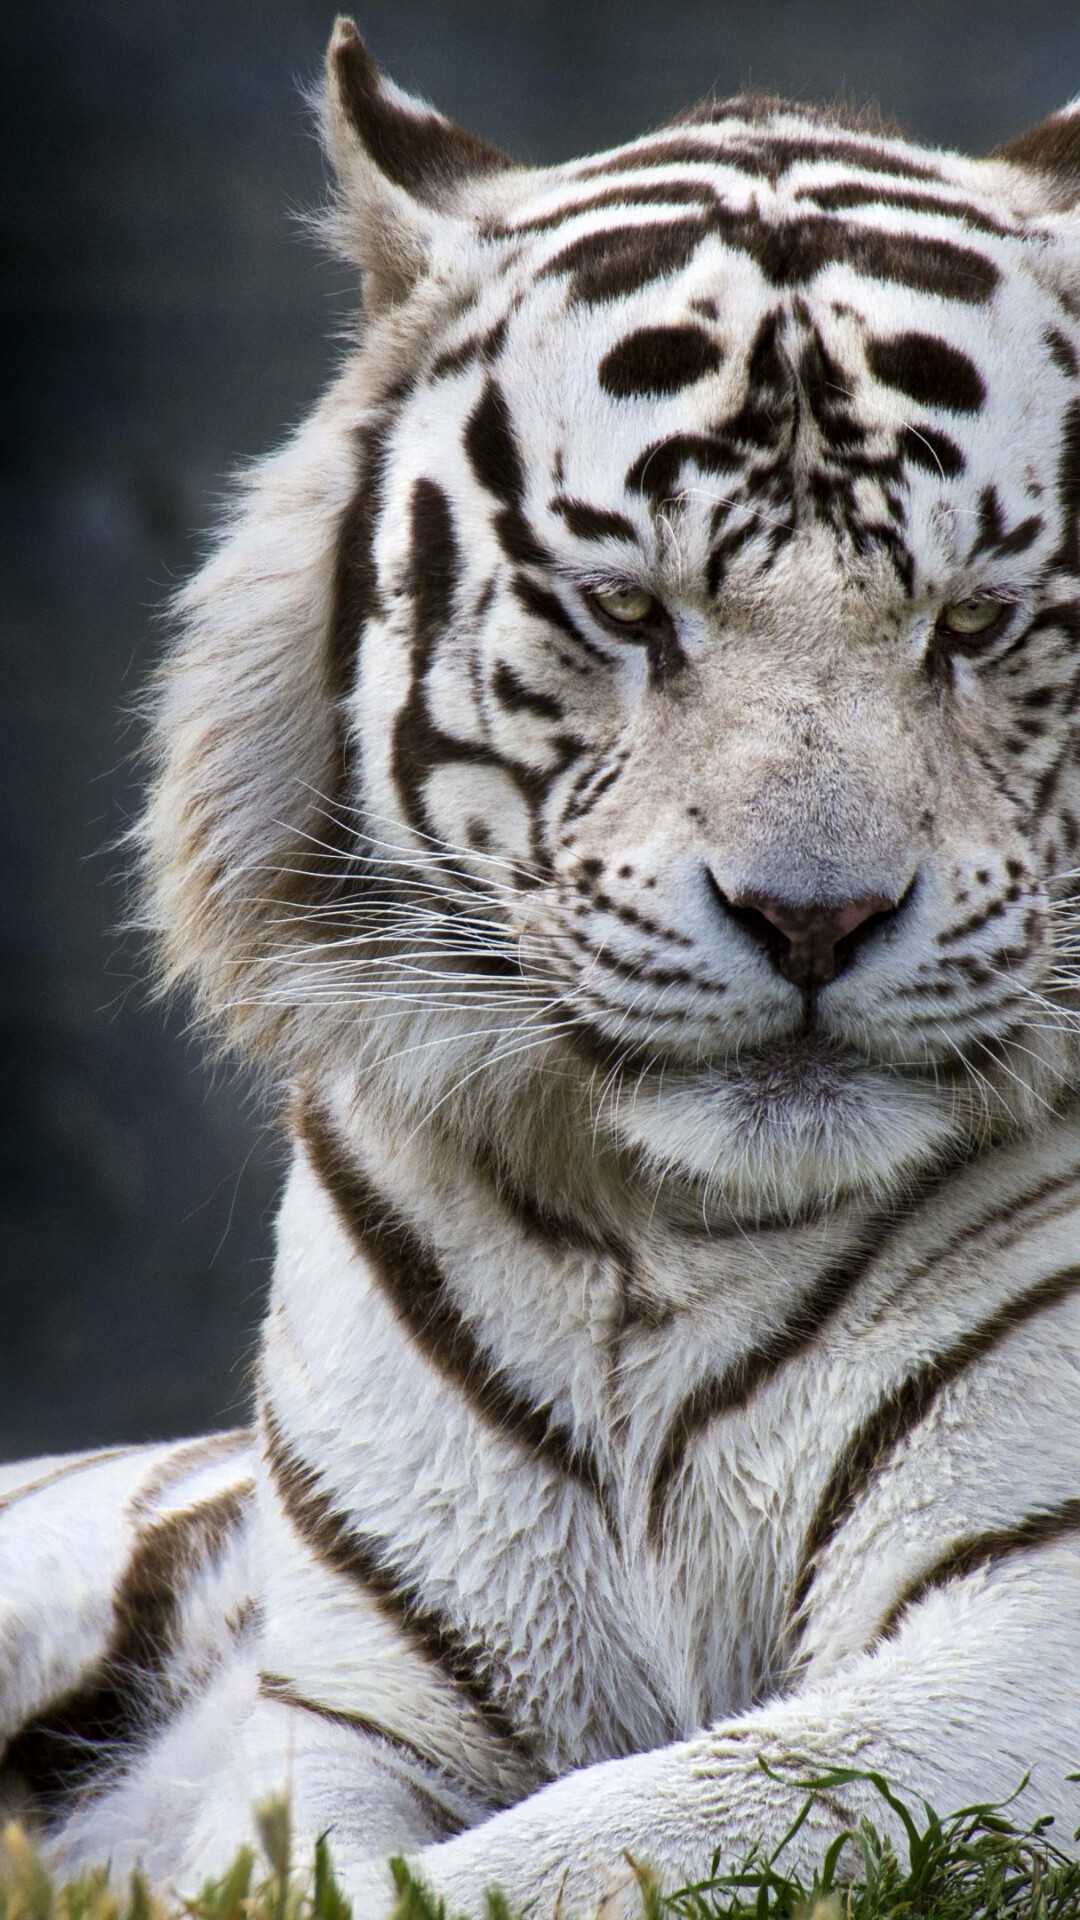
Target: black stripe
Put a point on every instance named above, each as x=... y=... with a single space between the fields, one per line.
x=366 y=1563
x=419 y=745
x=925 y=447
x=420 y=152
x=681 y=152
x=547 y=606
x=658 y=466
x=80 y=1740
x=776 y=154
x=482 y=346
x=732 y=1390
x=770 y=156
x=535 y=1217
x=902 y=1410
x=854 y=193
x=454 y=360
x=415 y=1286
x=792 y=253
x=1062 y=353
x=1053 y=147
x=927 y=370
x=590 y=788
x=274 y=1686
x=1015 y=1212
x=516 y=696
x=981 y=1550
x=992 y=537
x=609 y=264
x=434 y=570
x=672 y=193
x=492 y=450
x=593 y=523
x=659 y=361
x=1068 y=554
x=728 y=547
x=318 y=870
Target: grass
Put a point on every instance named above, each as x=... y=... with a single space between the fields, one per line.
x=974 y=1865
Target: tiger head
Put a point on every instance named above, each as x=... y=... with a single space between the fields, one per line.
x=635 y=715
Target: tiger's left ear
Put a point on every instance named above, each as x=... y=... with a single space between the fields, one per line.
x=407 y=177
x=1051 y=150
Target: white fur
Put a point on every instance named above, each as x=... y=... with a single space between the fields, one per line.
x=611 y=1241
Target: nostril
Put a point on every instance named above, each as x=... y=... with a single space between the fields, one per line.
x=749 y=917
x=809 y=944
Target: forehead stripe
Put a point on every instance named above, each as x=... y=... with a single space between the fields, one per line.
x=659 y=360
x=657 y=467
x=610 y=263
x=852 y=194
x=670 y=193
x=593 y=523
x=789 y=253
x=768 y=157
x=927 y=370
x=613 y=262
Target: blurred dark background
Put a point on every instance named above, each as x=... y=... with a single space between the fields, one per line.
x=164 y=319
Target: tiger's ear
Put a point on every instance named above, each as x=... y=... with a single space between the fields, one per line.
x=1051 y=150
x=407 y=177
x=1044 y=185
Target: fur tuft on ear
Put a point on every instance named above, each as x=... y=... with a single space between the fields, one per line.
x=405 y=173
x=1051 y=150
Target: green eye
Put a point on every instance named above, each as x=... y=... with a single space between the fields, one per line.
x=971 y=618
x=630 y=606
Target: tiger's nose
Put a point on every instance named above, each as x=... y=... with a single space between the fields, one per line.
x=809 y=945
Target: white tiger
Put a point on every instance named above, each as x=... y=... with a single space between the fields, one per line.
x=619 y=774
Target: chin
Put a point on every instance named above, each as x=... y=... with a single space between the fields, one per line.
x=786 y=1133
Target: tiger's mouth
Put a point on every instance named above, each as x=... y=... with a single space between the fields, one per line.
x=800 y=1062
x=809 y=1120
x=803 y=1123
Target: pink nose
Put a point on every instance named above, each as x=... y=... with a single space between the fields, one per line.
x=810 y=945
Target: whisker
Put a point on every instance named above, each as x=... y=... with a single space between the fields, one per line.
x=485 y=1066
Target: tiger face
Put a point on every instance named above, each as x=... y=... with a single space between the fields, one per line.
x=710 y=611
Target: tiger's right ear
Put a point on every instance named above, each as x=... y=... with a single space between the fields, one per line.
x=1051 y=151
x=407 y=177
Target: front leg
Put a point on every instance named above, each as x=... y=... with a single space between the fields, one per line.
x=569 y=1848
x=979 y=1683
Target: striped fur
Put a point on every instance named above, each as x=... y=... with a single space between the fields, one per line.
x=618 y=773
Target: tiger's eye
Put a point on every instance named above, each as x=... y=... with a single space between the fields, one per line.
x=630 y=606
x=967 y=618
